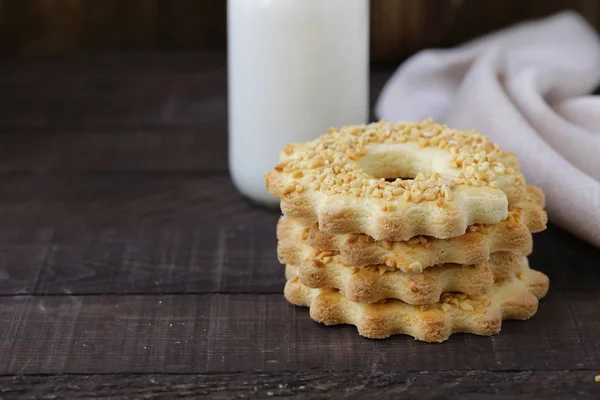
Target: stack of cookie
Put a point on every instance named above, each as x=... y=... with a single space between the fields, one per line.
x=408 y=228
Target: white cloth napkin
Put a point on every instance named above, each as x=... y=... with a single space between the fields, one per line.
x=526 y=87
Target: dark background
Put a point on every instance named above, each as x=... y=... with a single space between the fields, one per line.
x=131 y=267
x=398 y=27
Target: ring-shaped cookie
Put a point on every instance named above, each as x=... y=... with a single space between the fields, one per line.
x=393 y=181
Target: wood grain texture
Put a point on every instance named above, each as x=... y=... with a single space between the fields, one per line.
x=235 y=258
x=125 y=249
x=401 y=27
x=191 y=24
x=23 y=252
x=457 y=385
x=128 y=91
x=127 y=199
x=263 y=333
x=96 y=90
x=398 y=27
x=147 y=233
x=58 y=26
x=143 y=113
x=129 y=24
x=114 y=147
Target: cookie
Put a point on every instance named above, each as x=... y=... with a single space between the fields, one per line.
x=396 y=181
x=515 y=298
x=374 y=283
x=512 y=234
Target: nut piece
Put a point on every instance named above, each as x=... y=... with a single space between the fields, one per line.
x=416 y=266
x=332 y=158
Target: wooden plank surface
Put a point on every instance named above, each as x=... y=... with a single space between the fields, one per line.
x=147 y=233
x=98 y=90
x=125 y=199
x=236 y=258
x=22 y=255
x=113 y=147
x=452 y=385
x=262 y=333
x=133 y=113
x=125 y=249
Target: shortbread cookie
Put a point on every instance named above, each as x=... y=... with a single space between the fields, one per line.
x=512 y=234
x=396 y=181
x=516 y=298
x=293 y=248
x=374 y=283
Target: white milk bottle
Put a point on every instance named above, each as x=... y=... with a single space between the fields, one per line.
x=295 y=69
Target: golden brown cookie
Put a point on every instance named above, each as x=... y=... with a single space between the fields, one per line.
x=515 y=298
x=373 y=283
x=512 y=234
x=393 y=181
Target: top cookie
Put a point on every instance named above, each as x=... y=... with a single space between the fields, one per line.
x=394 y=181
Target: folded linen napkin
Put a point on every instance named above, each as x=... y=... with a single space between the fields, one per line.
x=526 y=87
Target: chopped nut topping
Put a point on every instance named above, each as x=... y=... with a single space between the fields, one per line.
x=473 y=228
x=289 y=149
x=416 y=266
x=305 y=233
x=388 y=207
x=289 y=188
x=333 y=160
x=479 y=307
x=414 y=241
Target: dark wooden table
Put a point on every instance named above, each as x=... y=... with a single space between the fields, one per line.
x=130 y=266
